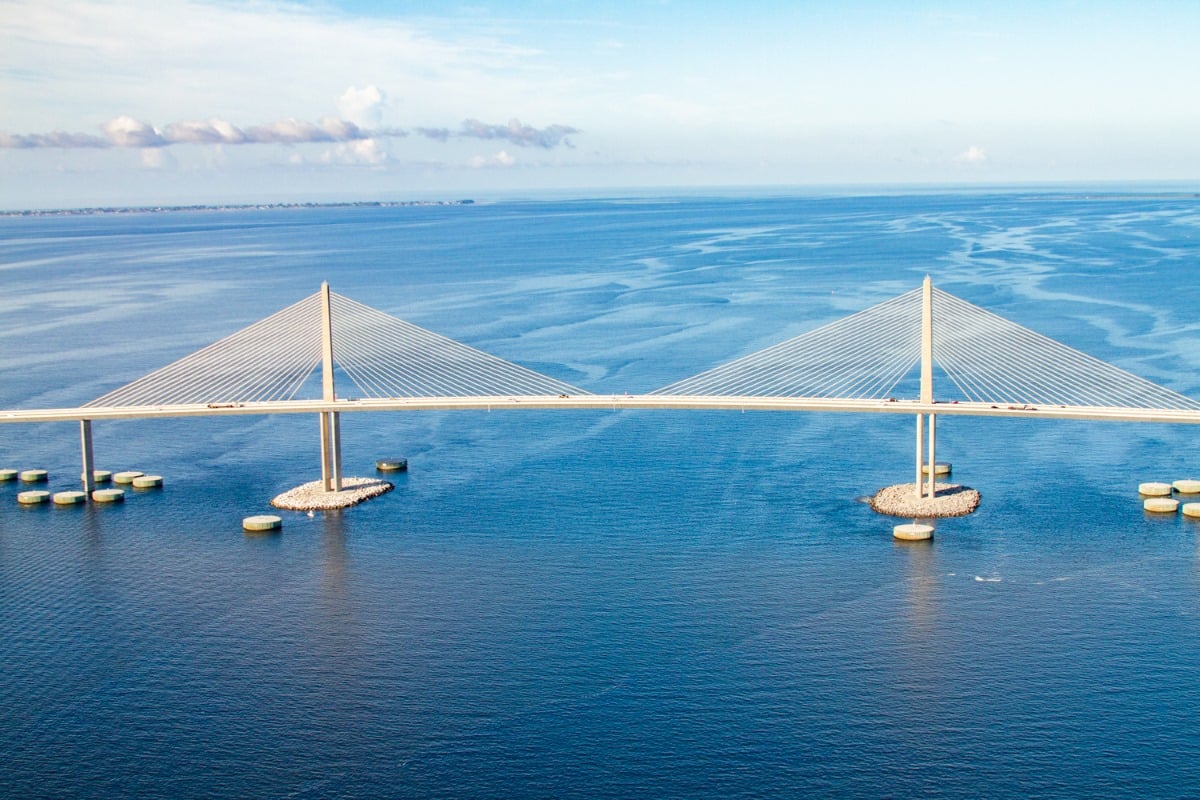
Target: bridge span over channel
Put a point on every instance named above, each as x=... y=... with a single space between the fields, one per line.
x=985 y=365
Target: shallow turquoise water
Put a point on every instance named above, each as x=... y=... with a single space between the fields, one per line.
x=601 y=604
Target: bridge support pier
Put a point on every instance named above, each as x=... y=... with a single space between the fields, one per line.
x=331 y=451
x=918 y=483
x=932 y=455
x=922 y=488
x=89 y=461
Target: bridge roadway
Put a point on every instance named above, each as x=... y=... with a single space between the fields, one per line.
x=607 y=402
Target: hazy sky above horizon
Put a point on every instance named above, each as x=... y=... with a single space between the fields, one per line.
x=180 y=101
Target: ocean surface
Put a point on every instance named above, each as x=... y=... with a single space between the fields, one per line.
x=601 y=604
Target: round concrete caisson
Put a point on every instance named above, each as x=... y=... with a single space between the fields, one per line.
x=262 y=523
x=109 y=495
x=913 y=532
x=33 y=497
x=1155 y=489
x=69 y=498
x=1186 y=486
x=1161 y=505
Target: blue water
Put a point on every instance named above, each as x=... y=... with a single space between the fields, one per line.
x=601 y=604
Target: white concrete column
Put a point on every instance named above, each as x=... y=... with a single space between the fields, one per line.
x=932 y=455
x=335 y=450
x=89 y=461
x=917 y=484
x=326 y=461
x=331 y=451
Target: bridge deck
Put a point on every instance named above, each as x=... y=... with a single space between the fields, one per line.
x=607 y=402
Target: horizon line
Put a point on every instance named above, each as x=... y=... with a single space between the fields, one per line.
x=1173 y=187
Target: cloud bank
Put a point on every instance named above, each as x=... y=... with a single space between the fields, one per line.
x=125 y=131
x=515 y=132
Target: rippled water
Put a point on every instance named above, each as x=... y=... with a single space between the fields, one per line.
x=601 y=604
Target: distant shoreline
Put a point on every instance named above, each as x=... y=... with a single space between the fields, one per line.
x=73 y=212
x=1089 y=190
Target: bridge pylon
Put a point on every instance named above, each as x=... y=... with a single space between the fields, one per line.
x=331 y=433
x=926 y=395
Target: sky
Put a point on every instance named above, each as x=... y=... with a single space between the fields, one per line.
x=145 y=102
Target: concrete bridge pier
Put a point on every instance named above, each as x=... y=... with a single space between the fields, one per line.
x=89 y=461
x=920 y=487
x=331 y=451
x=918 y=482
x=932 y=455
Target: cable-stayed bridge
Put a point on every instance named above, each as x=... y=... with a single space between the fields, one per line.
x=866 y=362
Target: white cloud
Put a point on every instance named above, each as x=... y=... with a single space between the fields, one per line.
x=972 y=155
x=360 y=151
x=214 y=131
x=363 y=107
x=297 y=131
x=129 y=132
